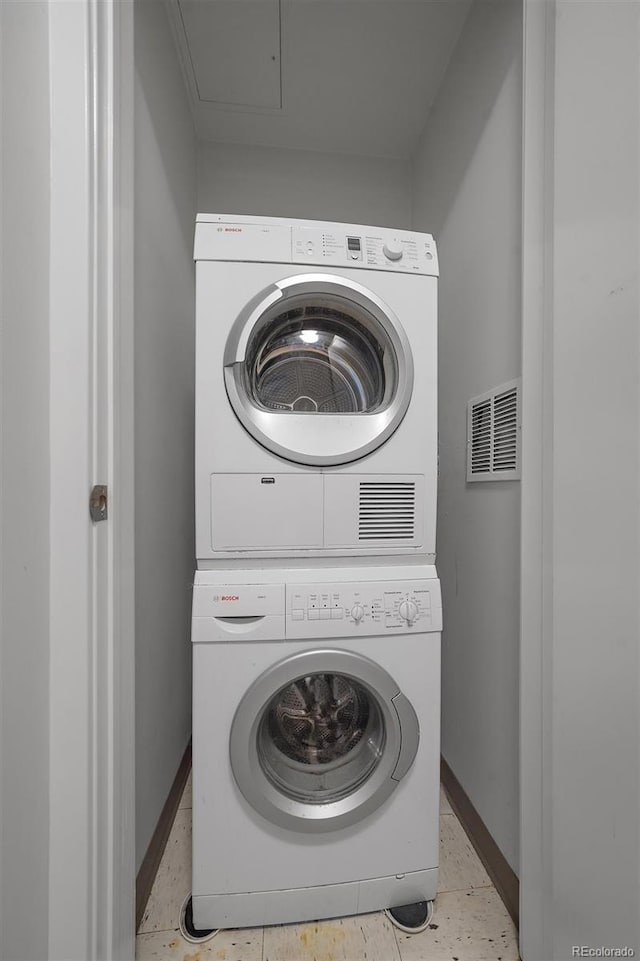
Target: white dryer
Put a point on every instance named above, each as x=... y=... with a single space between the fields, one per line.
x=316 y=392
x=315 y=743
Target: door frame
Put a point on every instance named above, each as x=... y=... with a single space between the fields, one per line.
x=536 y=589
x=92 y=719
x=92 y=774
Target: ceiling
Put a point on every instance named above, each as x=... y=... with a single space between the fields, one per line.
x=345 y=76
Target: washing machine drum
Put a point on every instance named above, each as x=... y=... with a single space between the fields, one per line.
x=321 y=739
x=318 y=370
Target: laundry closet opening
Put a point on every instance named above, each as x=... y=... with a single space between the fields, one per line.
x=395 y=114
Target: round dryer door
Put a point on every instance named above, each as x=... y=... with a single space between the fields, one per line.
x=321 y=740
x=319 y=370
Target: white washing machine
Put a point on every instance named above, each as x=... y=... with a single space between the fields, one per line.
x=315 y=743
x=316 y=390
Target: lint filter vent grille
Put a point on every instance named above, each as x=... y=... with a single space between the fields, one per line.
x=387 y=510
x=493 y=434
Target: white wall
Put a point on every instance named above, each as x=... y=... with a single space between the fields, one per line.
x=303 y=184
x=165 y=202
x=585 y=529
x=24 y=604
x=467 y=191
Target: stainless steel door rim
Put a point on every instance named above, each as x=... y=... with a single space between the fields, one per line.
x=358 y=360
x=356 y=781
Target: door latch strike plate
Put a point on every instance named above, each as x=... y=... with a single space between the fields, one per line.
x=98 y=503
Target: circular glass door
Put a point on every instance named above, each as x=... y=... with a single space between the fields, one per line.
x=320 y=738
x=319 y=370
x=316 y=741
x=318 y=356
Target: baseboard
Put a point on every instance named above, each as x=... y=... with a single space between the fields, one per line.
x=496 y=865
x=151 y=862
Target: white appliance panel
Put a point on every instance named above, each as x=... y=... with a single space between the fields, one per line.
x=259 y=243
x=333 y=900
x=239 y=600
x=375 y=511
x=266 y=511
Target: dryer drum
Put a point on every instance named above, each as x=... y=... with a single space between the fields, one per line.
x=318 y=370
x=319 y=358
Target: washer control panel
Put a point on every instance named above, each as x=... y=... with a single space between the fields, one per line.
x=371 y=607
x=400 y=250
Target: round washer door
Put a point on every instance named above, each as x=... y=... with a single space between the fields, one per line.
x=321 y=739
x=318 y=369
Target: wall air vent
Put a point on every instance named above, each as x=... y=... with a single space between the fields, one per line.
x=493 y=434
x=387 y=511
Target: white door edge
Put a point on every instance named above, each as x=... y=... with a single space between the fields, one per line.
x=536 y=890
x=91 y=848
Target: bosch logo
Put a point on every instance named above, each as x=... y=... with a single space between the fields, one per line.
x=229 y=597
x=233 y=230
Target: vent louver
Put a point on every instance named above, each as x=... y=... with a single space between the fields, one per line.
x=493 y=434
x=387 y=510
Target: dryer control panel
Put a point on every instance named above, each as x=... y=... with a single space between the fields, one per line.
x=400 y=251
x=312 y=242
x=352 y=609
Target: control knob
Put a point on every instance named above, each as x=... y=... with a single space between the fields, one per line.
x=392 y=251
x=357 y=612
x=408 y=611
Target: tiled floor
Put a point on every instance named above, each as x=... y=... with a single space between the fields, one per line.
x=470 y=922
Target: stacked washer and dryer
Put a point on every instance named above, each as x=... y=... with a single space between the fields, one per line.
x=316 y=608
